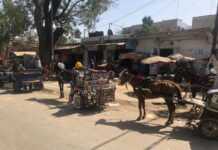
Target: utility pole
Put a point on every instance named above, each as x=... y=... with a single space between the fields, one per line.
x=52 y=33
x=215 y=32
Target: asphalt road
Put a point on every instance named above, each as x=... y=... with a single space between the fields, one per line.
x=40 y=121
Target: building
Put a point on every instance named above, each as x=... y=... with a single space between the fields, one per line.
x=203 y=22
x=171 y=25
x=162 y=26
x=174 y=36
x=194 y=43
x=104 y=49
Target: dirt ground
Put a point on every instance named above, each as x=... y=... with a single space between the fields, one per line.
x=40 y=120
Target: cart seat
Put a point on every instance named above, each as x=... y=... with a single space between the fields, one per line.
x=195 y=101
x=31 y=81
x=212 y=91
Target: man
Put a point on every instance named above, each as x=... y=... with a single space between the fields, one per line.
x=37 y=62
x=212 y=70
x=60 y=68
x=211 y=75
x=78 y=75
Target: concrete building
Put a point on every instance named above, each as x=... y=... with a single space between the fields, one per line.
x=171 y=25
x=195 y=43
x=203 y=22
x=133 y=29
x=106 y=48
x=162 y=26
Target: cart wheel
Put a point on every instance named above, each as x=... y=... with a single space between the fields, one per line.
x=209 y=128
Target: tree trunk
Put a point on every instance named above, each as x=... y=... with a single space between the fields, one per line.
x=44 y=51
x=44 y=46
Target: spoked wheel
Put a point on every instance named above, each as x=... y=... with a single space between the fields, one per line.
x=197 y=111
x=209 y=128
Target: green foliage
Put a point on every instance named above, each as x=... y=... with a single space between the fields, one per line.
x=12 y=22
x=67 y=13
x=93 y=8
x=148 y=22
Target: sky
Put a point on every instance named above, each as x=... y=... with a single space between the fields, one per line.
x=130 y=12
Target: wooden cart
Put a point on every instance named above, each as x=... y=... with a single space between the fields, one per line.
x=96 y=90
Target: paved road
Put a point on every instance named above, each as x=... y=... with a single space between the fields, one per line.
x=40 y=121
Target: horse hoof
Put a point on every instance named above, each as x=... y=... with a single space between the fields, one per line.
x=143 y=117
x=138 y=119
x=168 y=123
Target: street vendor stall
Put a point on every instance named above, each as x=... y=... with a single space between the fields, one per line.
x=93 y=89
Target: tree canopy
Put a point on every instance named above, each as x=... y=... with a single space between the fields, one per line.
x=147 y=23
x=12 y=21
x=61 y=16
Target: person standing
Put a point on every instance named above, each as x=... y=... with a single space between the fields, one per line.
x=78 y=76
x=211 y=75
x=60 y=68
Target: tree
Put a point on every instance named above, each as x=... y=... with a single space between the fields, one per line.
x=147 y=23
x=12 y=22
x=60 y=16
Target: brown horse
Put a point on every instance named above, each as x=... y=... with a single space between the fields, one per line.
x=148 y=88
x=198 y=83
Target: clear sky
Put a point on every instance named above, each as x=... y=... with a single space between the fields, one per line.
x=135 y=10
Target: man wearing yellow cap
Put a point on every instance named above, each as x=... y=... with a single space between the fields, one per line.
x=78 y=65
x=78 y=76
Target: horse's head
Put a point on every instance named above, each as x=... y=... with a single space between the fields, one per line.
x=124 y=77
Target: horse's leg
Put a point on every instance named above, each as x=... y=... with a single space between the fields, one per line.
x=171 y=108
x=140 y=110
x=194 y=92
x=61 y=86
x=143 y=107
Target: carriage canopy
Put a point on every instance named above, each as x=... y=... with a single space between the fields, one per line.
x=180 y=57
x=157 y=59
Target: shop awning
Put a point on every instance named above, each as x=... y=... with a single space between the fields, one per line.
x=22 y=53
x=180 y=57
x=132 y=56
x=68 y=48
x=108 y=46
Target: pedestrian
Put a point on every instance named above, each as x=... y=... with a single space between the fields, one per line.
x=60 y=68
x=211 y=75
x=78 y=75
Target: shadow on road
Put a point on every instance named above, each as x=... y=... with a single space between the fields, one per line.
x=64 y=109
x=131 y=94
x=187 y=115
x=12 y=92
x=177 y=133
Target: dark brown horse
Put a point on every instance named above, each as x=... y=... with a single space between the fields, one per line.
x=148 y=88
x=198 y=83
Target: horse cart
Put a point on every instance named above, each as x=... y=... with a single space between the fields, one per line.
x=208 y=116
x=28 y=80
x=94 y=89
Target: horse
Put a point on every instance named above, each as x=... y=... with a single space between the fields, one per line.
x=148 y=88
x=197 y=83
